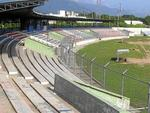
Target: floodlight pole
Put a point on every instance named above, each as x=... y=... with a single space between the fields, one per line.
x=91 y=77
x=122 y=85
x=104 y=72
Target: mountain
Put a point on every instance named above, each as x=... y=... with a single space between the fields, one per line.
x=137 y=7
x=53 y=6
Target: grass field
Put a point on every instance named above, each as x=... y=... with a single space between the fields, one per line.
x=104 y=51
x=39 y=47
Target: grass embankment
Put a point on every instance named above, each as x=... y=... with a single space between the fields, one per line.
x=104 y=51
x=39 y=47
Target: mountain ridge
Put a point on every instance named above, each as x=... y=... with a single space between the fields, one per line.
x=53 y=6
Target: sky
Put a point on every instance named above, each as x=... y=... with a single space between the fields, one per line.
x=115 y=3
x=138 y=6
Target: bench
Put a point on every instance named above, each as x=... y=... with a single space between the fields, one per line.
x=23 y=70
x=33 y=96
x=65 y=69
x=2 y=41
x=43 y=65
x=30 y=67
x=39 y=68
x=14 y=97
x=48 y=64
x=62 y=66
x=11 y=69
x=52 y=99
x=62 y=72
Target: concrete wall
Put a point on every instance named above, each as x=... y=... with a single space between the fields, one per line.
x=82 y=100
x=114 y=38
x=86 y=42
x=134 y=31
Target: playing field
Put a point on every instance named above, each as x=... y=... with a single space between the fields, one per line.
x=137 y=64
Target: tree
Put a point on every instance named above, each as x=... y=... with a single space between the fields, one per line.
x=130 y=17
x=147 y=20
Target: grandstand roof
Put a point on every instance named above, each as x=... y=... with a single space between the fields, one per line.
x=24 y=10
x=5 y=1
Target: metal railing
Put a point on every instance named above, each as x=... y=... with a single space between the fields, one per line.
x=108 y=78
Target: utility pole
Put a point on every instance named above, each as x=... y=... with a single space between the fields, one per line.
x=99 y=3
x=119 y=15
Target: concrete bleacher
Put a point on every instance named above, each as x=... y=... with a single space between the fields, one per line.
x=33 y=96
x=22 y=69
x=39 y=68
x=2 y=40
x=36 y=71
x=14 y=97
x=83 y=36
x=90 y=32
x=11 y=69
x=58 y=104
x=45 y=39
x=63 y=73
x=108 y=32
x=30 y=67
x=62 y=67
x=43 y=65
x=55 y=35
x=48 y=64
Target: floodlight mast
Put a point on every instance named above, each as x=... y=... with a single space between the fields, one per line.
x=119 y=15
x=99 y=3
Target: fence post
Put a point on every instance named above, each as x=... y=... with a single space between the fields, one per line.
x=81 y=63
x=91 y=77
x=122 y=83
x=61 y=52
x=64 y=55
x=82 y=59
x=74 y=62
x=104 y=72
x=149 y=98
x=80 y=67
x=69 y=57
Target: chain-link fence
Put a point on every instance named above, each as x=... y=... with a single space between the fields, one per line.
x=105 y=77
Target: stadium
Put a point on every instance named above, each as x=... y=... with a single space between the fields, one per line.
x=70 y=70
